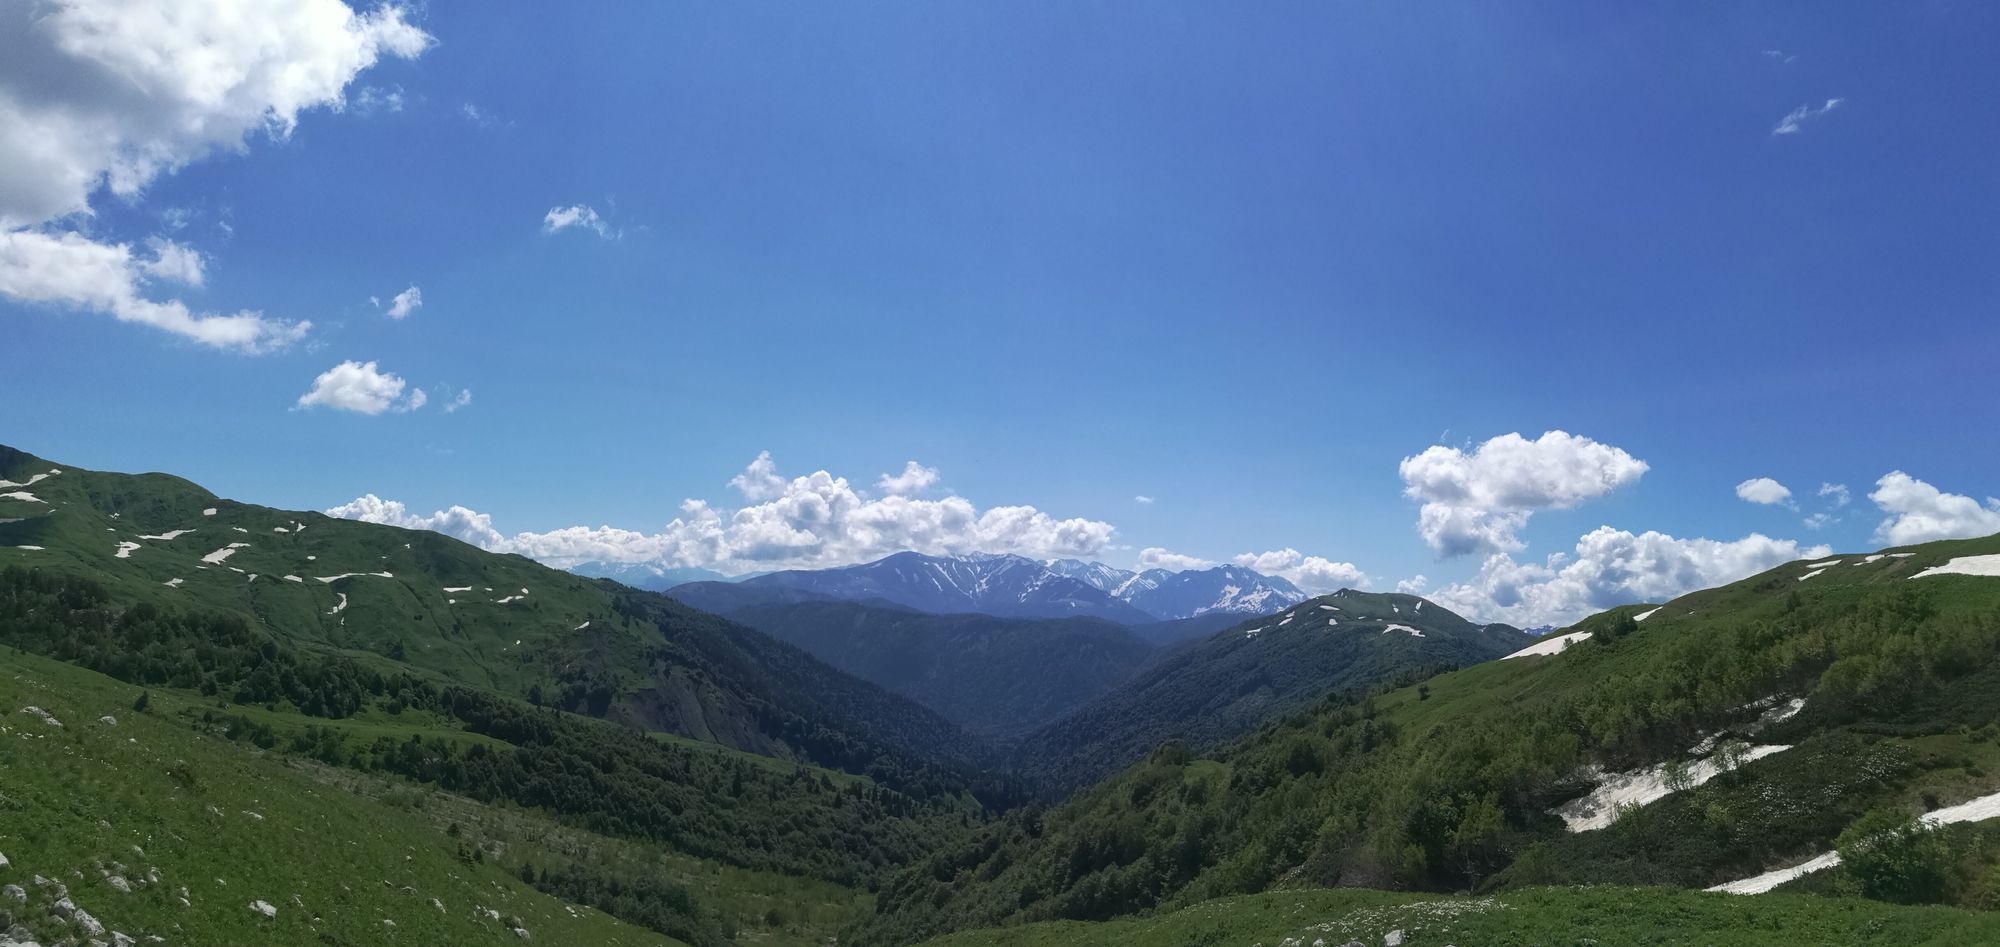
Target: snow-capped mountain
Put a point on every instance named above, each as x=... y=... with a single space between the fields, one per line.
x=1195 y=592
x=1008 y=586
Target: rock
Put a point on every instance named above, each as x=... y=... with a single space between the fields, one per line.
x=45 y=716
x=3 y=861
x=1393 y=939
x=438 y=904
x=119 y=884
x=120 y=940
x=265 y=908
x=18 y=937
x=87 y=924
x=522 y=933
x=108 y=720
x=388 y=923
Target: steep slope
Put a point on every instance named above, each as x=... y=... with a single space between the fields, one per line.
x=1006 y=586
x=999 y=677
x=386 y=596
x=1697 y=743
x=1255 y=672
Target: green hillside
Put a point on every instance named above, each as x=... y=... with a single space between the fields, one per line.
x=389 y=597
x=997 y=677
x=378 y=707
x=1259 y=670
x=1600 y=916
x=1456 y=783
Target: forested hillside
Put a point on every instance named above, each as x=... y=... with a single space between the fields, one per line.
x=1725 y=733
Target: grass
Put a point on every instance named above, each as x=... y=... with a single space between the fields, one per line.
x=1535 y=917
x=219 y=826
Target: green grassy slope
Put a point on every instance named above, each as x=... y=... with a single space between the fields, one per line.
x=1451 y=784
x=1600 y=916
x=1257 y=671
x=391 y=597
x=196 y=829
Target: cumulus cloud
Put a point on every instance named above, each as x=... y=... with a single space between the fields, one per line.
x=1414 y=585
x=1154 y=557
x=173 y=262
x=1795 y=120
x=405 y=302
x=1311 y=573
x=1611 y=567
x=360 y=387
x=1764 y=491
x=73 y=271
x=582 y=216
x=112 y=94
x=814 y=521
x=456 y=521
x=1835 y=493
x=1921 y=513
x=1477 y=500
x=915 y=479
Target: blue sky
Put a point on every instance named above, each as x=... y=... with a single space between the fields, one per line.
x=1240 y=262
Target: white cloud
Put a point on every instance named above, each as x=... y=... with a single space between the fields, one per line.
x=1611 y=567
x=1763 y=490
x=760 y=481
x=172 y=261
x=1921 y=513
x=814 y=521
x=1820 y=520
x=1477 y=501
x=372 y=99
x=559 y=219
x=114 y=93
x=360 y=387
x=915 y=479
x=1838 y=491
x=1143 y=500
x=406 y=302
x=1414 y=585
x=475 y=528
x=1153 y=557
x=1311 y=573
x=74 y=271
x=1795 y=120
x=459 y=400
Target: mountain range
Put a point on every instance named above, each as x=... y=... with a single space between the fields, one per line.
x=1009 y=586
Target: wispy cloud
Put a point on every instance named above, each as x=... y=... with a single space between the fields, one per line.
x=577 y=216
x=1795 y=121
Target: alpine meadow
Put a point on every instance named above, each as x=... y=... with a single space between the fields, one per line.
x=981 y=475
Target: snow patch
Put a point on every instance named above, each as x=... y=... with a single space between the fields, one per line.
x=293 y=578
x=1810 y=574
x=31 y=548
x=208 y=512
x=1642 y=616
x=1965 y=565
x=1640 y=787
x=215 y=558
x=1973 y=810
x=125 y=550
x=173 y=583
x=341 y=605
x=330 y=579
x=175 y=534
x=1413 y=632
x=24 y=496
x=1548 y=646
